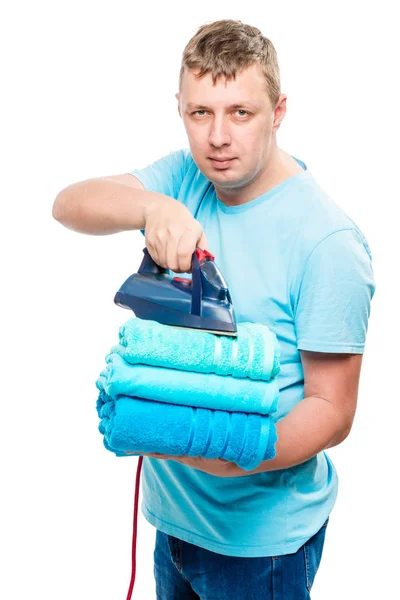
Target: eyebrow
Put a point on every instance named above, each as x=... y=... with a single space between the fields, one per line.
x=202 y=107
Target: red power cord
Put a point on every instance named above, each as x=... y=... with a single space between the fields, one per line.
x=135 y=511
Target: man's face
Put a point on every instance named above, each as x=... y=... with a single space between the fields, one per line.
x=232 y=120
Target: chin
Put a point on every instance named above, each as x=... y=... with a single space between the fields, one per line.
x=221 y=178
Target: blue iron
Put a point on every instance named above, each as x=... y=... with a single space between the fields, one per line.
x=202 y=302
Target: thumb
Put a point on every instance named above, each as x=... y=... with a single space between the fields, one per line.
x=203 y=242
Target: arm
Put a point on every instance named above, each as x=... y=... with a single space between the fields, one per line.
x=105 y=205
x=109 y=205
x=321 y=420
x=324 y=417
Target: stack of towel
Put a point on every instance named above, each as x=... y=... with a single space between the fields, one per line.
x=182 y=392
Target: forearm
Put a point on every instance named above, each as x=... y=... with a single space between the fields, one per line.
x=313 y=425
x=102 y=206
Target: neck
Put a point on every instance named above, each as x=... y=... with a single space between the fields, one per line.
x=278 y=167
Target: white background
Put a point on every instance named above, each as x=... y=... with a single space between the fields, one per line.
x=88 y=91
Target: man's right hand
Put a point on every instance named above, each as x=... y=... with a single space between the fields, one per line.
x=172 y=234
x=105 y=205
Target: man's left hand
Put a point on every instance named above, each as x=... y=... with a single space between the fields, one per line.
x=212 y=466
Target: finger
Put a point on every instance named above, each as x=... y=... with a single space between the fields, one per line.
x=184 y=252
x=161 y=243
x=171 y=254
x=155 y=455
x=203 y=242
x=153 y=251
x=155 y=246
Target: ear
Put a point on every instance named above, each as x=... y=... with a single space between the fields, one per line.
x=177 y=96
x=279 y=112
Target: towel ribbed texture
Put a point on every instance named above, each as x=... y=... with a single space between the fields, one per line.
x=183 y=392
x=253 y=353
x=137 y=425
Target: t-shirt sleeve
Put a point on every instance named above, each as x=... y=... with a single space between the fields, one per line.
x=336 y=289
x=164 y=175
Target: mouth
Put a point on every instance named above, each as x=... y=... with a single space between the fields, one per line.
x=220 y=164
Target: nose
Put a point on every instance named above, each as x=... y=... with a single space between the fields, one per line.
x=219 y=134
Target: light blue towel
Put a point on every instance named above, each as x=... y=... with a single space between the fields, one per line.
x=121 y=378
x=254 y=353
x=136 y=425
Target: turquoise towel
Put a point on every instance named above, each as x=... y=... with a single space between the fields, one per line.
x=136 y=425
x=254 y=353
x=121 y=378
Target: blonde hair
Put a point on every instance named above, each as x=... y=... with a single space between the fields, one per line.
x=226 y=47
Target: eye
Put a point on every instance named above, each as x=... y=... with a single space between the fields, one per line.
x=198 y=111
x=241 y=110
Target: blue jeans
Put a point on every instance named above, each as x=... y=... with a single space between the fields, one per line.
x=184 y=571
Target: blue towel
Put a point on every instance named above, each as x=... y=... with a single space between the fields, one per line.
x=131 y=424
x=121 y=378
x=254 y=353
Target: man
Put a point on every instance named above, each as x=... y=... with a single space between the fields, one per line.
x=294 y=261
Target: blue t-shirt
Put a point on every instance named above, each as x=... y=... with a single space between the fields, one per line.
x=293 y=260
